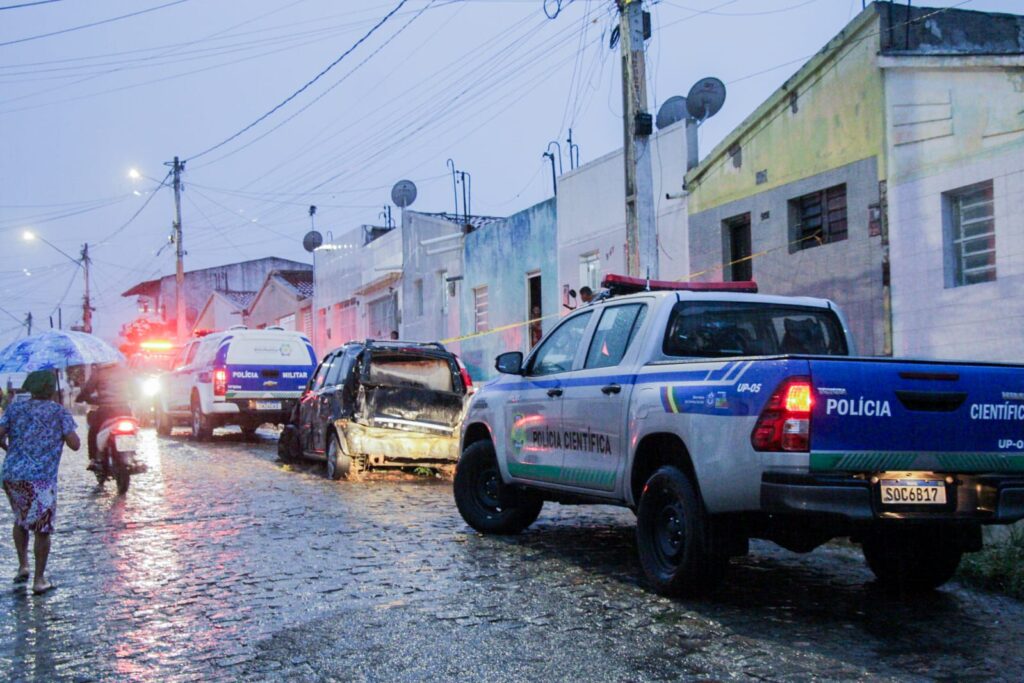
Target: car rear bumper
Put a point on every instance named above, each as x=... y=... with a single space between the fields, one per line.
x=244 y=409
x=985 y=498
x=397 y=447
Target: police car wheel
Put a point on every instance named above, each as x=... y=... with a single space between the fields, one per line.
x=201 y=429
x=673 y=536
x=912 y=560
x=484 y=501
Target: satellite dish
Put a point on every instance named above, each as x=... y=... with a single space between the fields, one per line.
x=403 y=193
x=673 y=110
x=312 y=240
x=706 y=98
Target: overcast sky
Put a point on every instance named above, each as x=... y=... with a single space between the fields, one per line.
x=487 y=83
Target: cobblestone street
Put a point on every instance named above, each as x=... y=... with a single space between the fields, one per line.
x=222 y=563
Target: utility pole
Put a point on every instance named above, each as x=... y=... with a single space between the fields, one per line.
x=177 y=167
x=28 y=323
x=87 y=308
x=638 y=124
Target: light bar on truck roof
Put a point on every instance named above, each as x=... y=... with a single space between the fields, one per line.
x=156 y=345
x=624 y=284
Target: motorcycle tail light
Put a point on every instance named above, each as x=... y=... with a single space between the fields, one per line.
x=125 y=427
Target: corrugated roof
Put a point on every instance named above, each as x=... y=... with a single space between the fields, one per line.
x=475 y=221
x=299 y=280
x=240 y=299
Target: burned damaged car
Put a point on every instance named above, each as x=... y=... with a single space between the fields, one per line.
x=378 y=404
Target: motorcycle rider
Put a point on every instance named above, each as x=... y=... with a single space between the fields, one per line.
x=109 y=390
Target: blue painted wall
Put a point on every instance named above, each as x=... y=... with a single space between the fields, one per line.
x=499 y=256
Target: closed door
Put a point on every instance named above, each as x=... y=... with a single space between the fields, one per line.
x=533 y=412
x=308 y=406
x=595 y=405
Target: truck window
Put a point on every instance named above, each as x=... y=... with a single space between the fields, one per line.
x=557 y=352
x=719 y=329
x=615 y=332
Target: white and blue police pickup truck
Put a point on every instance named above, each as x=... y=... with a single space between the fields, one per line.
x=723 y=415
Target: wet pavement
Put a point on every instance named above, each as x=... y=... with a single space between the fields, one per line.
x=223 y=564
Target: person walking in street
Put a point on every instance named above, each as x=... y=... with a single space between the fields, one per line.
x=33 y=433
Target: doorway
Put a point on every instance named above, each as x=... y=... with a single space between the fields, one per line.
x=737 y=238
x=534 y=310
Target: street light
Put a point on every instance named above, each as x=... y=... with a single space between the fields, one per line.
x=30 y=236
x=134 y=174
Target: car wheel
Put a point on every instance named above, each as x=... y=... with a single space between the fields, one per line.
x=483 y=499
x=163 y=422
x=288 y=444
x=338 y=463
x=201 y=429
x=673 y=536
x=912 y=560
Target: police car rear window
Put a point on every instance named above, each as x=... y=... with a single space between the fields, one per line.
x=267 y=351
x=719 y=329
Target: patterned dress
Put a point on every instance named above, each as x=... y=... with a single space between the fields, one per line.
x=35 y=435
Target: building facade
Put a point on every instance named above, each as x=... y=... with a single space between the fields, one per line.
x=158 y=297
x=591 y=230
x=954 y=90
x=285 y=300
x=509 y=289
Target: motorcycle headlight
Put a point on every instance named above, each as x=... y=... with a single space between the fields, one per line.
x=150 y=387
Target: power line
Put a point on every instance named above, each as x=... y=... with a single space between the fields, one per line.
x=313 y=80
x=135 y=215
x=28 y=4
x=91 y=24
x=329 y=89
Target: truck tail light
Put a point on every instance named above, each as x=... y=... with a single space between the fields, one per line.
x=785 y=422
x=220 y=382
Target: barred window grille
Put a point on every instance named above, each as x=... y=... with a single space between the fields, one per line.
x=820 y=217
x=973 y=234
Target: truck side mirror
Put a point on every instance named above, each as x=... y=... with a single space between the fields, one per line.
x=510 y=363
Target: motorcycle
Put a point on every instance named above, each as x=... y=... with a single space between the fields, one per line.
x=116 y=444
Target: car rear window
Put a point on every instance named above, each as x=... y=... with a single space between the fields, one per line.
x=412 y=371
x=269 y=350
x=719 y=329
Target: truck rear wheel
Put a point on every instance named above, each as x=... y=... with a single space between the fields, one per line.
x=484 y=501
x=673 y=536
x=912 y=560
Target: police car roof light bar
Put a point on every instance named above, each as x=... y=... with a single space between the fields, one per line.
x=624 y=284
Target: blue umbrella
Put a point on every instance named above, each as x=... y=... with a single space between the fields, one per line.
x=56 y=349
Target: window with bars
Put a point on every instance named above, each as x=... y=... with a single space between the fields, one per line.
x=971 y=243
x=480 y=309
x=818 y=218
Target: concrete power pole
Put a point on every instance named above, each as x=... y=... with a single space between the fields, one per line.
x=87 y=308
x=28 y=323
x=638 y=124
x=177 y=167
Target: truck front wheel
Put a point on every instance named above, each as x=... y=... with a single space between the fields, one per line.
x=913 y=559
x=673 y=536
x=483 y=499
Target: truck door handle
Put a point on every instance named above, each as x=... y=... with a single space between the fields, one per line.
x=554 y=393
x=611 y=389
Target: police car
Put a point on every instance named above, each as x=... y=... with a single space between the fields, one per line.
x=239 y=377
x=719 y=415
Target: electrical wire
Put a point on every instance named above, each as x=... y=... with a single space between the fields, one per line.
x=334 y=85
x=28 y=4
x=309 y=83
x=91 y=24
x=120 y=229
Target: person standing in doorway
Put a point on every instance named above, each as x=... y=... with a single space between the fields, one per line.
x=34 y=433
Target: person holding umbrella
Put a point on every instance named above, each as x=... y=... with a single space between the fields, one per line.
x=34 y=433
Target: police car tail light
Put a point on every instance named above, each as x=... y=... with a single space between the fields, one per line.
x=785 y=422
x=220 y=382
